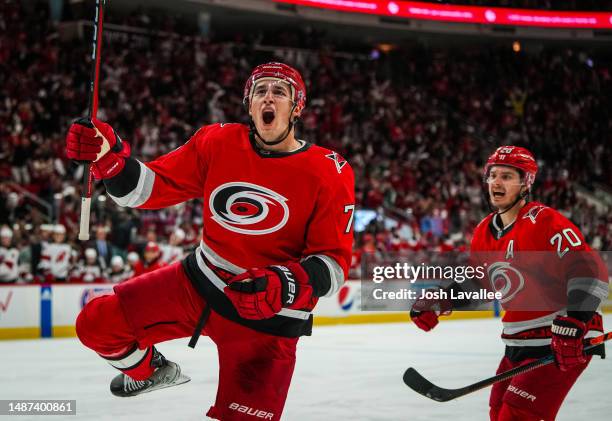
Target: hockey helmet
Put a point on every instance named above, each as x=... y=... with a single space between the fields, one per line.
x=516 y=157
x=280 y=71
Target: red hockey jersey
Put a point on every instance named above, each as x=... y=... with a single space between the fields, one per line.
x=549 y=246
x=260 y=207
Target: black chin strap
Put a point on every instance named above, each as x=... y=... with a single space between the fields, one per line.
x=519 y=197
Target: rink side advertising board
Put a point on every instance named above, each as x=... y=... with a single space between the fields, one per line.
x=20 y=311
x=42 y=311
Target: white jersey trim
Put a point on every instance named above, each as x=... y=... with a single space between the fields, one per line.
x=141 y=192
x=219 y=261
x=512 y=328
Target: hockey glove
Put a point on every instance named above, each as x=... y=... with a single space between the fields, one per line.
x=261 y=293
x=97 y=143
x=425 y=312
x=567 y=336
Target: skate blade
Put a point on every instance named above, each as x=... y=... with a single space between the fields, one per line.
x=180 y=380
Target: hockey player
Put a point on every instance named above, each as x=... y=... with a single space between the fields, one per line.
x=521 y=226
x=277 y=236
x=9 y=257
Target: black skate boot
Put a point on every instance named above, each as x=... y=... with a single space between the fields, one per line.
x=166 y=374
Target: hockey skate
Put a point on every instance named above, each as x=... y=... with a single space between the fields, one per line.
x=166 y=374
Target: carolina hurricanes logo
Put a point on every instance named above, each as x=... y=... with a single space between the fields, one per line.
x=505 y=279
x=248 y=208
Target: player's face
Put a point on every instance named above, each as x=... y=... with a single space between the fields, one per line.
x=270 y=107
x=504 y=186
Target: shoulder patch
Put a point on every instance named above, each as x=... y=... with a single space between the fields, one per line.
x=338 y=161
x=533 y=213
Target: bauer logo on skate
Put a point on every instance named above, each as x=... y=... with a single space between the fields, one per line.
x=247 y=208
x=505 y=279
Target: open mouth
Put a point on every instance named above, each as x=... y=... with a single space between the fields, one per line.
x=268 y=116
x=498 y=195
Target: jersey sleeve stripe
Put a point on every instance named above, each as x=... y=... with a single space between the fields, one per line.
x=591 y=286
x=141 y=193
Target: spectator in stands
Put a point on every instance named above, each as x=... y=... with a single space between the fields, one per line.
x=56 y=256
x=118 y=272
x=89 y=269
x=9 y=257
x=404 y=120
x=133 y=260
x=173 y=252
x=102 y=246
x=151 y=261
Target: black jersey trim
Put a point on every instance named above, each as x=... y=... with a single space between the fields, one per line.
x=274 y=154
x=497 y=233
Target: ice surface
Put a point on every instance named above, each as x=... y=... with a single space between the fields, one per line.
x=350 y=372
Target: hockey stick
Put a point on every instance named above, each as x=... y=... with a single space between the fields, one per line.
x=93 y=111
x=421 y=385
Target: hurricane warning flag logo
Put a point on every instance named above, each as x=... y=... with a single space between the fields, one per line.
x=338 y=160
x=247 y=208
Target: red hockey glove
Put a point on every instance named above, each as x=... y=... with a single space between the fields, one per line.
x=99 y=144
x=567 y=336
x=424 y=312
x=261 y=293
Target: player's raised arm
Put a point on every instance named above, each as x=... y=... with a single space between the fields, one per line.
x=171 y=179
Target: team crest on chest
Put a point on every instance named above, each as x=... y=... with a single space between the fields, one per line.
x=338 y=160
x=247 y=208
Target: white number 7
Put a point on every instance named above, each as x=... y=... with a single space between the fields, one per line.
x=349 y=209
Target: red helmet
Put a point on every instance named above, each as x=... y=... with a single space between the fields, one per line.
x=278 y=71
x=517 y=157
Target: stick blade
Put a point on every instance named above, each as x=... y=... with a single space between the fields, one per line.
x=421 y=385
